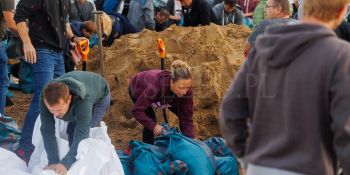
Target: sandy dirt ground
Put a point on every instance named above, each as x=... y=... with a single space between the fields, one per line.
x=214 y=53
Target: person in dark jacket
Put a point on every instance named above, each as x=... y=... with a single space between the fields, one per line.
x=163 y=89
x=161 y=17
x=287 y=112
x=44 y=31
x=175 y=11
x=114 y=26
x=343 y=31
x=197 y=12
x=84 y=29
x=81 y=98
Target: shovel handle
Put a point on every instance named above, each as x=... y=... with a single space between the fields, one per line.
x=161 y=48
x=83 y=49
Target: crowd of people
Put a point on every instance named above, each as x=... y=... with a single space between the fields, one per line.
x=296 y=69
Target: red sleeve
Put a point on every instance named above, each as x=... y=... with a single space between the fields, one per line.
x=144 y=101
x=186 y=115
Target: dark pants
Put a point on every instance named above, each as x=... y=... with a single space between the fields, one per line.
x=98 y=112
x=4 y=81
x=148 y=135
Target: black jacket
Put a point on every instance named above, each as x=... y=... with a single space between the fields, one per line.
x=200 y=13
x=46 y=21
x=343 y=31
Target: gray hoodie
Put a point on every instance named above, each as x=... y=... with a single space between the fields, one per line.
x=236 y=17
x=289 y=106
x=141 y=14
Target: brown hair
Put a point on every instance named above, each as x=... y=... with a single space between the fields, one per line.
x=164 y=13
x=324 y=10
x=90 y=26
x=180 y=71
x=284 y=4
x=53 y=92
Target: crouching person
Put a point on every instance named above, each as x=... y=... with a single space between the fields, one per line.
x=81 y=98
x=163 y=89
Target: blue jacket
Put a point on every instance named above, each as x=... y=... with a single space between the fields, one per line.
x=76 y=27
x=121 y=26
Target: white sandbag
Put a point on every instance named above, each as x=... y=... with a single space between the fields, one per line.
x=95 y=155
x=38 y=160
x=11 y=164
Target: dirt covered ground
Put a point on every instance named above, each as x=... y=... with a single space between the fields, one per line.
x=214 y=52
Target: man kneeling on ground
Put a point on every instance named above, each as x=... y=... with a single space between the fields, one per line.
x=81 y=98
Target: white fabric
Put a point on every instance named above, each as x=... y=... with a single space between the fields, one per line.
x=95 y=156
x=10 y=164
x=256 y=170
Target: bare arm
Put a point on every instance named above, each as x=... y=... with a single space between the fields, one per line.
x=247 y=48
x=69 y=31
x=10 y=23
x=28 y=48
x=70 y=34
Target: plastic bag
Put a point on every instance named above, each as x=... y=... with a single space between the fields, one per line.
x=95 y=156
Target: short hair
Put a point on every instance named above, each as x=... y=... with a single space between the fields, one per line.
x=324 y=10
x=55 y=91
x=90 y=26
x=230 y=2
x=164 y=12
x=284 y=4
x=180 y=71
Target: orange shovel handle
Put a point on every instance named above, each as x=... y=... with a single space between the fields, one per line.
x=83 y=49
x=161 y=48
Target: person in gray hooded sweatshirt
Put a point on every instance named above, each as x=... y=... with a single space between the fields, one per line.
x=141 y=14
x=227 y=12
x=287 y=112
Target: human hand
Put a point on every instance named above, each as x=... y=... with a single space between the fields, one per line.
x=29 y=52
x=58 y=168
x=78 y=39
x=175 y=17
x=157 y=130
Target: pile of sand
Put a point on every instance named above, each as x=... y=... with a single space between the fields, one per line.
x=214 y=52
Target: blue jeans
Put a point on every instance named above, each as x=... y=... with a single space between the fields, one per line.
x=4 y=81
x=98 y=112
x=49 y=65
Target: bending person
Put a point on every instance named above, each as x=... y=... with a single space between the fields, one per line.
x=161 y=88
x=81 y=98
x=115 y=25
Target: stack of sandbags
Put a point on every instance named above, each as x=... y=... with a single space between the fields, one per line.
x=173 y=153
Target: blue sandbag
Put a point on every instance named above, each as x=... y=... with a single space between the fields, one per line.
x=218 y=147
x=195 y=154
x=127 y=162
x=176 y=167
x=169 y=167
x=147 y=158
x=224 y=158
x=226 y=166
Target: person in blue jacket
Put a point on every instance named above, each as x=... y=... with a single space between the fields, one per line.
x=115 y=25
